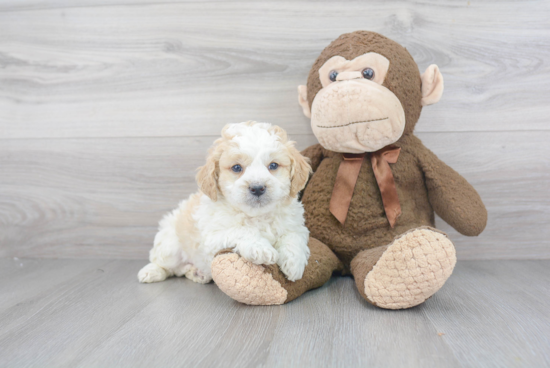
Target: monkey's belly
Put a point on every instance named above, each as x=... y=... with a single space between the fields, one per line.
x=366 y=224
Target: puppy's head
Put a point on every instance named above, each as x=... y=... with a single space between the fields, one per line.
x=254 y=167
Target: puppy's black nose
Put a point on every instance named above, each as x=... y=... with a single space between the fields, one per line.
x=257 y=190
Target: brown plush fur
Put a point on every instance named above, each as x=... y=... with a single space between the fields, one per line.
x=324 y=263
x=423 y=182
x=363 y=263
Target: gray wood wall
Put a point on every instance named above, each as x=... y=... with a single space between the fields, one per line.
x=107 y=108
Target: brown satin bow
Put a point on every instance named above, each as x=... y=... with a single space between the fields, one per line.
x=347 y=175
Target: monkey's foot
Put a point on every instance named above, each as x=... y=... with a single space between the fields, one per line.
x=409 y=271
x=245 y=281
x=254 y=284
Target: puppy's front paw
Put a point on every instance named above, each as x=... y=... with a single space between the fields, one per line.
x=293 y=270
x=258 y=252
x=292 y=262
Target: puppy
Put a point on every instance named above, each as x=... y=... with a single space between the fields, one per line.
x=247 y=202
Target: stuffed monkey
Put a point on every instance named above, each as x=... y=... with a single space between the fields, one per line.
x=370 y=203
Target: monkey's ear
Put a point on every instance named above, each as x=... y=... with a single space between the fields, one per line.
x=302 y=100
x=432 y=85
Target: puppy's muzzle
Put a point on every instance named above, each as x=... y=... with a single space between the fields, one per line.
x=257 y=190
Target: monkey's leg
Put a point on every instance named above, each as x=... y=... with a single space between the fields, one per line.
x=253 y=284
x=406 y=272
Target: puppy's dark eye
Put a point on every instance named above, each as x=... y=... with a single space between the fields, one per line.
x=273 y=166
x=332 y=75
x=237 y=168
x=368 y=73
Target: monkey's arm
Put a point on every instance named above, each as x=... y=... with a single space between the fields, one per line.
x=316 y=154
x=451 y=196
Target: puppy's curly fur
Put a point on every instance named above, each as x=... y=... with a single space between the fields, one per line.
x=228 y=211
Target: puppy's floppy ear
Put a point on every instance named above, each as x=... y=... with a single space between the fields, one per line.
x=207 y=177
x=299 y=171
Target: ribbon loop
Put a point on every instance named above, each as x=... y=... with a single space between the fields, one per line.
x=347 y=175
x=392 y=155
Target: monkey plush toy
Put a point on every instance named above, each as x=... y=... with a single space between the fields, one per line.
x=370 y=203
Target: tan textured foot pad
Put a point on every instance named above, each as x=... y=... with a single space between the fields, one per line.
x=245 y=281
x=411 y=270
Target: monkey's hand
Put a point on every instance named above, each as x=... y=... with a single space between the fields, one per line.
x=451 y=196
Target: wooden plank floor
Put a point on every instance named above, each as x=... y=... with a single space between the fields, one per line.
x=94 y=313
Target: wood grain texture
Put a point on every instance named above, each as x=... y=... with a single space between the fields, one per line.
x=107 y=108
x=139 y=68
x=491 y=306
x=104 y=197
x=489 y=314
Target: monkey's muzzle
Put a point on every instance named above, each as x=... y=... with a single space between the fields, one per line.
x=356 y=116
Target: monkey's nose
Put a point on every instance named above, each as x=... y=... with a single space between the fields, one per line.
x=257 y=190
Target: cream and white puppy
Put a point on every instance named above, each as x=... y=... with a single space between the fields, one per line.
x=247 y=202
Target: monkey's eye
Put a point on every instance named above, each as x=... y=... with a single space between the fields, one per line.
x=237 y=168
x=368 y=73
x=273 y=166
x=332 y=75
